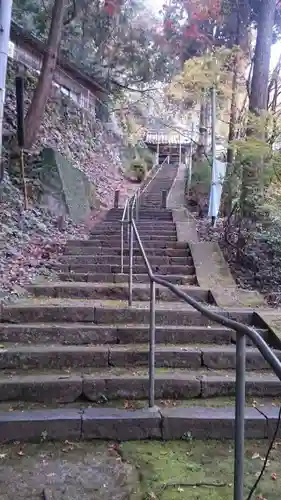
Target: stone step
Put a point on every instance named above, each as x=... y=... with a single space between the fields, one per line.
x=110 y=312
x=156 y=260
x=144 y=213
x=144 y=234
x=74 y=357
x=116 y=238
x=112 y=384
x=116 y=424
x=149 y=226
x=152 y=216
x=116 y=269
x=86 y=333
x=89 y=251
x=143 y=231
x=141 y=224
x=119 y=291
x=123 y=278
x=148 y=244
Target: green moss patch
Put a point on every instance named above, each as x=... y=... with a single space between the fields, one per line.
x=197 y=470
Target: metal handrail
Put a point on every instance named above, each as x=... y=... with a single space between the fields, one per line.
x=242 y=331
x=133 y=201
x=122 y=234
x=140 y=191
x=253 y=335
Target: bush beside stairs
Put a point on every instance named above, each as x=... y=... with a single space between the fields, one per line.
x=74 y=355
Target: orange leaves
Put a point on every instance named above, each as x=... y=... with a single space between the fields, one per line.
x=112 y=7
x=193 y=32
x=204 y=9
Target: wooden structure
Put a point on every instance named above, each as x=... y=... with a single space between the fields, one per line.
x=68 y=80
x=168 y=143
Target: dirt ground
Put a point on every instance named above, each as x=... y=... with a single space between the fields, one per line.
x=152 y=470
x=65 y=471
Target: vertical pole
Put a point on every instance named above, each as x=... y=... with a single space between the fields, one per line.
x=122 y=247
x=5 y=24
x=137 y=206
x=131 y=255
x=180 y=151
x=23 y=180
x=128 y=221
x=157 y=157
x=152 y=346
x=213 y=100
x=189 y=171
x=239 y=417
x=116 y=199
x=164 y=199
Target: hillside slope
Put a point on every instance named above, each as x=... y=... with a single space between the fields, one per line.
x=28 y=238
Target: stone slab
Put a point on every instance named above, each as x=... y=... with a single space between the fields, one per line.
x=185 y=226
x=121 y=425
x=182 y=215
x=41 y=388
x=53 y=357
x=66 y=189
x=272 y=319
x=167 y=357
x=210 y=423
x=176 y=196
x=60 y=333
x=135 y=315
x=271 y=414
x=224 y=385
x=36 y=425
x=213 y=273
x=224 y=358
x=36 y=313
x=167 y=386
x=210 y=265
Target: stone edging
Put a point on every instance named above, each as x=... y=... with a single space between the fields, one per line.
x=211 y=268
x=123 y=425
x=272 y=320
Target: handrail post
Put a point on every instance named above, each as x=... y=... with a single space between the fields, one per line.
x=122 y=247
x=137 y=207
x=131 y=255
x=152 y=345
x=239 y=416
x=128 y=221
x=116 y=199
x=164 y=199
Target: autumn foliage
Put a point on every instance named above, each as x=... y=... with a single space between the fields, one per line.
x=203 y=10
x=112 y=7
x=196 y=13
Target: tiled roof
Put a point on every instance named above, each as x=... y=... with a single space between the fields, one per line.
x=165 y=138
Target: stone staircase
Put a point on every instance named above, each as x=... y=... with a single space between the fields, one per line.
x=74 y=355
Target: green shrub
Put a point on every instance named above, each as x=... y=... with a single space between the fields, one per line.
x=139 y=168
x=146 y=155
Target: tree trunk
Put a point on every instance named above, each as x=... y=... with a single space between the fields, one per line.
x=202 y=142
x=259 y=86
x=252 y=174
x=37 y=107
x=227 y=195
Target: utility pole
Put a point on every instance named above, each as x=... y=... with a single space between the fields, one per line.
x=213 y=104
x=213 y=111
x=5 y=25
